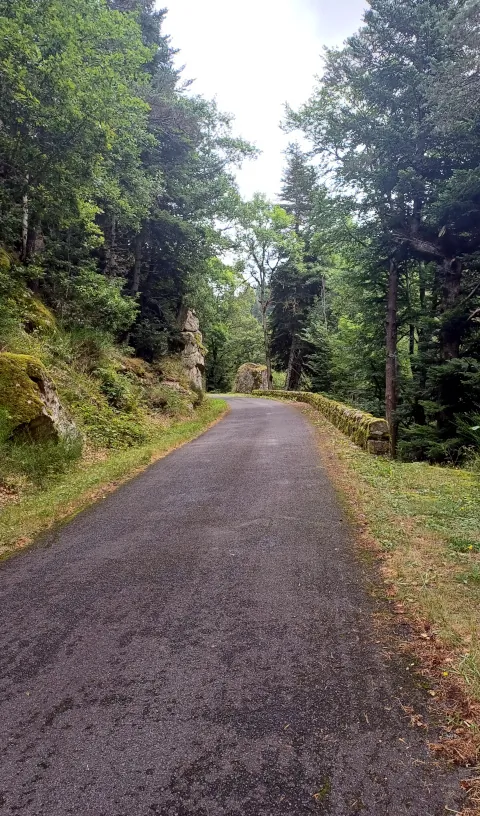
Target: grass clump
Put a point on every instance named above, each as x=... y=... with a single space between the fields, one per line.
x=39 y=462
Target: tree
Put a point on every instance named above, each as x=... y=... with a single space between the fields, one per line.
x=68 y=71
x=370 y=122
x=225 y=302
x=264 y=242
x=113 y=180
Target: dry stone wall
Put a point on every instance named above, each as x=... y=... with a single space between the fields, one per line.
x=365 y=430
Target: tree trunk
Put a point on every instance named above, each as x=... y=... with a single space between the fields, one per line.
x=419 y=365
x=110 y=245
x=264 y=302
x=294 y=370
x=25 y=222
x=138 y=263
x=391 y=380
x=268 y=359
x=451 y=331
x=411 y=340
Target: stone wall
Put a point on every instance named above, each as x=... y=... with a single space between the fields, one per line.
x=365 y=430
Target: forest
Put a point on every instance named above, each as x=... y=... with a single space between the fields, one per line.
x=119 y=208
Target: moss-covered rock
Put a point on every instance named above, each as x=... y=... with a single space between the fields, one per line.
x=251 y=377
x=367 y=431
x=30 y=400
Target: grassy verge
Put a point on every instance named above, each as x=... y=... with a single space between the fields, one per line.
x=36 y=511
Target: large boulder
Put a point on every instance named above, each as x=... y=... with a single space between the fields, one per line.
x=193 y=354
x=251 y=377
x=30 y=400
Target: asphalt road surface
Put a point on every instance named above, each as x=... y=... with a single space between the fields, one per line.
x=201 y=643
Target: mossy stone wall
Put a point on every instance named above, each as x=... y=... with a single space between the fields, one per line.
x=365 y=430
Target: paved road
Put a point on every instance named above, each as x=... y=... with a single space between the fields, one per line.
x=200 y=644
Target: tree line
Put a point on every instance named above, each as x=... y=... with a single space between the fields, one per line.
x=113 y=178
x=373 y=288
x=119 y=206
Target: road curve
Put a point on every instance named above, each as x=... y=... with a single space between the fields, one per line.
x=200 y=644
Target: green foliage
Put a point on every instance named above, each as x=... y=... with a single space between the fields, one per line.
x=90 y=300
x=464 y=545
x=116 y=389
x=278 y=380
x=225 y=304
x=172 y=402
x=114 y=179
x=471 y=577
x=106 y=427
x=266 y=243
x=318 y=355
x=451 y=430
x=393 y=122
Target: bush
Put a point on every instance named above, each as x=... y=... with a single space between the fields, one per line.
x=89 y=299
x=425 y=443
x=279 y=379
x=170 y=401
x=116 y=389
x=107 y=428
x=428 y=442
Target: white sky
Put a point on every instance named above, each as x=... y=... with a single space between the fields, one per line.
x=253 y=57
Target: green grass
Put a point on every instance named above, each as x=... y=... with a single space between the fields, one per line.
x=71 y=492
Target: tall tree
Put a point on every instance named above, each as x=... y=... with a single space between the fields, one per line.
x=265 y=242
x=369 y=122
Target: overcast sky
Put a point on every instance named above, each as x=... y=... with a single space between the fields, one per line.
x=253 y=57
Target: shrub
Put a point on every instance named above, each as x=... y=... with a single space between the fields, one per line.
x=107 y=428
x=87 y=298
x=116 y=389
